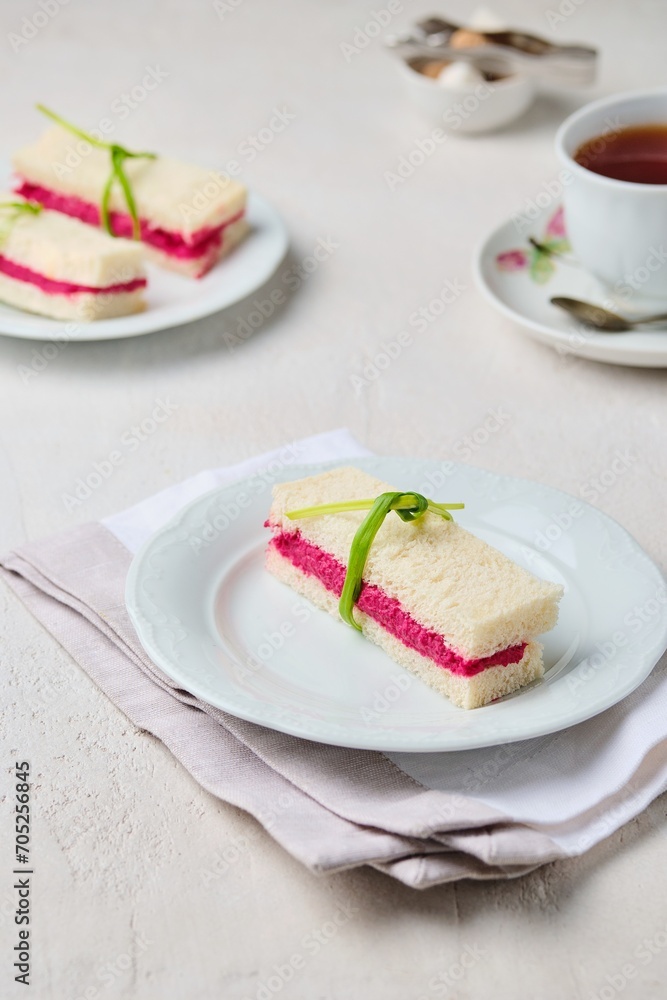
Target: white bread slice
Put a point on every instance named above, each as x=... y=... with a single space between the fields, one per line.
x=446 y=578
x=196 y=267
x=466 y=692
x=80 y=307
x=171 y=195
x=65 y=249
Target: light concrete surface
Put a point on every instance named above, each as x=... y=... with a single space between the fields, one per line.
x=133 y=897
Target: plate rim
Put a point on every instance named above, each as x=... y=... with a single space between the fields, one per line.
x=649 y=660
x=154 y=320
x=605 y=348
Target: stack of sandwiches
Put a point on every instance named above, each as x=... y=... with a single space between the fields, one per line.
x=59 y=261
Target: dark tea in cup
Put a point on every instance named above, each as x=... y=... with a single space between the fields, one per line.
x=637 y=153
x=615 y=193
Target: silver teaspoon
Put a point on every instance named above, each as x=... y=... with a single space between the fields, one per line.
x=601 y=318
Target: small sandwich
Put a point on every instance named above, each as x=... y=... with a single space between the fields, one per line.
x=59 y=267
x=186 y=217
x=441 y=602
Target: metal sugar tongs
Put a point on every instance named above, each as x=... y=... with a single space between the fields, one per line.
x=500 y=53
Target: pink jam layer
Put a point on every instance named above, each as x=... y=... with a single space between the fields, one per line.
x=385 y=610
x=54 y=287
x=204 y=241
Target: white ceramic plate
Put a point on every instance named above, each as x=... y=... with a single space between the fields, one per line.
x=172 y=299
x=525 y=301
x=216 y=622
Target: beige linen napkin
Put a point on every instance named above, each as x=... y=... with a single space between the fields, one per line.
x=421 y=818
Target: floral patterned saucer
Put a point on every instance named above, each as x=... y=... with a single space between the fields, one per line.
x=523 y=263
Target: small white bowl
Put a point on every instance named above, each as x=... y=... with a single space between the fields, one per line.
x=480 y=108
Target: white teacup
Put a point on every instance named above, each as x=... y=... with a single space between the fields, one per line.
x=618 y=229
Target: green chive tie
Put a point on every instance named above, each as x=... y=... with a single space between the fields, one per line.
x=118 y=156
x=408 y=506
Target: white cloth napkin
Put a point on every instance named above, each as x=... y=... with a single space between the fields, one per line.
x=422 y=818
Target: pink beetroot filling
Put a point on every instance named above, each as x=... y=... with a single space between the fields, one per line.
x=199 y=244
x=54 y=287
x=385 y=610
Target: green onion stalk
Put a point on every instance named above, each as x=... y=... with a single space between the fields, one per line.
x=118 y=155
x=408 y=506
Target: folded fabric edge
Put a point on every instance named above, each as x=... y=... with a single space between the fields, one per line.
x=423 y=873
x=648 y=781
x=403 y=805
